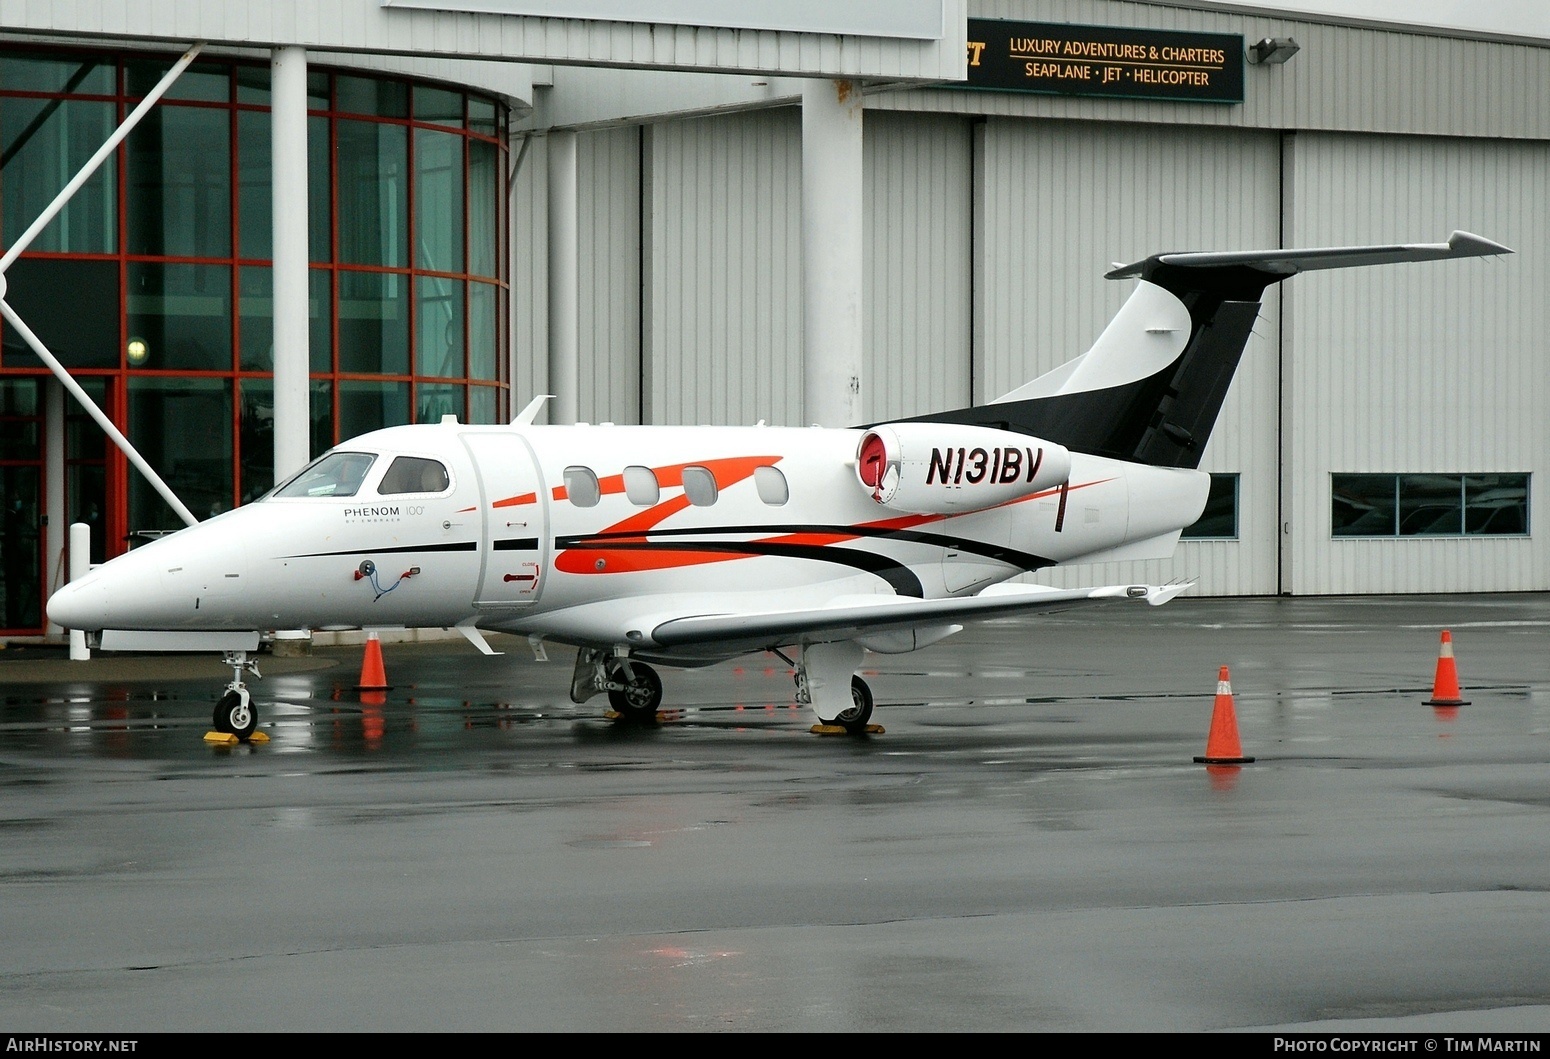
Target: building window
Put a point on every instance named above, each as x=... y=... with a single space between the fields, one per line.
x=1428 y=505
x=166 y=255
x=1219 y=521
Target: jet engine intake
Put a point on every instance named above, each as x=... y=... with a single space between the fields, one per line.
x=947 y=468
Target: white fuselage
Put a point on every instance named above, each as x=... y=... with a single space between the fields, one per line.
x=518 y=539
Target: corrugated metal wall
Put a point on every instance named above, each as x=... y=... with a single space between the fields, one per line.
x=917 y=331
x=529 y=269
x=1437 y=367
x=723 y=270
x=1059 y=204
x=608 y=177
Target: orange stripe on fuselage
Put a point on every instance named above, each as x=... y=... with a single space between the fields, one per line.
x=634 y=559
x=726 y=472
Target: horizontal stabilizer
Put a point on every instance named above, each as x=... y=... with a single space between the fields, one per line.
x=1291 y=262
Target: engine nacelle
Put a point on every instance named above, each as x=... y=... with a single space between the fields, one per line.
x=949 y=468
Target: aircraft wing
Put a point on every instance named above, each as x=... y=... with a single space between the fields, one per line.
x=856 y=617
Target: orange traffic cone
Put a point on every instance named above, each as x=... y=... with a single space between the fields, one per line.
x=1222 y=746
x=1445 y=688
x=373 y=676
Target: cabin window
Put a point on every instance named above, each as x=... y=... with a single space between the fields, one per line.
x=772 y=486
x=640 y=485
x=699 y=486
x=414 y=474
x=581 y=486
x=333 y=474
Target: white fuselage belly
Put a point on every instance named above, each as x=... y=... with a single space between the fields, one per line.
x=507 y=547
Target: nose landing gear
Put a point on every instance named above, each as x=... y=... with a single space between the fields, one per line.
x=236 y=717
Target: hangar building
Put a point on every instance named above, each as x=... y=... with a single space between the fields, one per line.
x=392 y=210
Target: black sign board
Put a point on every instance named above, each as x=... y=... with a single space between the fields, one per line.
x=1105 y=61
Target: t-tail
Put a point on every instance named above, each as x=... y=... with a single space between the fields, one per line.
x=1150 y=388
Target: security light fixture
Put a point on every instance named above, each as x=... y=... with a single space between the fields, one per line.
x=1272 y=51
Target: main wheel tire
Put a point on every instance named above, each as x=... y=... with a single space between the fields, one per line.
x=236 y=714
x=854 y=720
x=639 y=700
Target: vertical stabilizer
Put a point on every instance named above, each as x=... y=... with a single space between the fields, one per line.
x=1150 y=388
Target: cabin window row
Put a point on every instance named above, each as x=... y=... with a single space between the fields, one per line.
x=643 y=488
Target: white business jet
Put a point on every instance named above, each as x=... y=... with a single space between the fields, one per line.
x=687 y=546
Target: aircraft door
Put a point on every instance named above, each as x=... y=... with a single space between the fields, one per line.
x=514 y=510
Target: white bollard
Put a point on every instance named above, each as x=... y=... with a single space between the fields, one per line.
x=80 y=565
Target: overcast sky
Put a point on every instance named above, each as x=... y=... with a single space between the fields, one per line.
x=1530 y=18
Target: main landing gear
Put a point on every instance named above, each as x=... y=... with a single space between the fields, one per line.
x=822 y=677
x=235 y=714
x=826 y=680
x=634 y=689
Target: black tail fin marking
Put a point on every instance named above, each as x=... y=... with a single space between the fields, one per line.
x=1164 y=417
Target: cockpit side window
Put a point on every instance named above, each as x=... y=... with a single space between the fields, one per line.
x=332 y=474
x=414 y=474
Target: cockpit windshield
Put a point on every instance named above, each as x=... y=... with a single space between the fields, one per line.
x=332 y=474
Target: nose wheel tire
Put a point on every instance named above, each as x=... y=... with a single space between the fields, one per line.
x=236 y=714
x=854 y=720
x=641 y=695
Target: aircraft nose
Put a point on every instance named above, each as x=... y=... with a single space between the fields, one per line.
x=79 y=605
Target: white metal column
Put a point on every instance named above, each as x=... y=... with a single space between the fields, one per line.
x=832 y=238
x=292 y=317
x=564 y=280
x=54 y=488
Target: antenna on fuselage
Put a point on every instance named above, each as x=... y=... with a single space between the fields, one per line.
x=527 y=415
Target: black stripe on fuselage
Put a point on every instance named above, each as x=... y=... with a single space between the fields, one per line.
x=411 y=549
x=899 y=577
x=989 y=549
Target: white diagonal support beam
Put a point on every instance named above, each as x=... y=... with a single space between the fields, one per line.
x=91 y=408
x=16 y=249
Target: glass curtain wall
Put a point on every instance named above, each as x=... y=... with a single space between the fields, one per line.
x=156 y=279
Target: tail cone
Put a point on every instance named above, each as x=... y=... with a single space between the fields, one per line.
x=1445 y=687
x=1222 y=746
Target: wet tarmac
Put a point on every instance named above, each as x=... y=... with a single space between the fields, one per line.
x=1030 y=846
